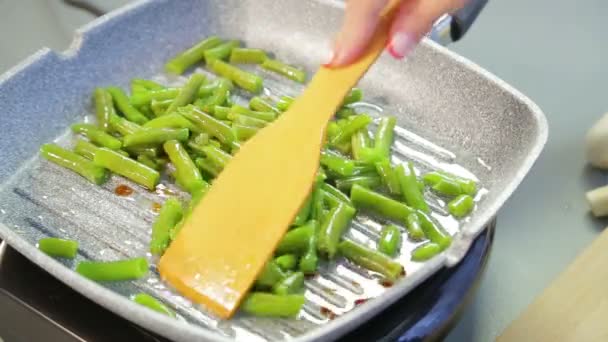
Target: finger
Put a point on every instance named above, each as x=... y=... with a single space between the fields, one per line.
x=414 y=20
x=360 y=21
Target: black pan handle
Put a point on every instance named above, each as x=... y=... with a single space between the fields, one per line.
x=464 y=18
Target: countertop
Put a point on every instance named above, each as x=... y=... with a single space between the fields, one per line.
x=553 y=51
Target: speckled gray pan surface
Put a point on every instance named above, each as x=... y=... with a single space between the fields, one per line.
x=452 y=116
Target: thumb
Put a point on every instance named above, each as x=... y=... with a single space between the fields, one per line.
x=360 y=21
x=414 y=20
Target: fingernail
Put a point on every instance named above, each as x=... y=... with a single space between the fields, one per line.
x=401 y=45
x=328 y=57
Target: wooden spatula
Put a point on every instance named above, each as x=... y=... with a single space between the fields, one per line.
x=574 y=308
x=234 y=230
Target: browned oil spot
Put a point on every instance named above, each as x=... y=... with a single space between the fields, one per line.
x=386 y=283
x=123 y=190
x=402 y=272
x=328 y=313
x=360 y=301
x=156 y=207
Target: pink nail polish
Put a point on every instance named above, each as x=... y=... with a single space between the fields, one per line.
x=401 y=44
x=328 y=57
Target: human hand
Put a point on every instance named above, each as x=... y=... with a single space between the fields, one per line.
x=413 y=19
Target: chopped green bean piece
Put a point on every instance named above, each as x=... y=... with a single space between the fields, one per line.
x=450 y=185
x=74 y=162
x=388 y=177
x=127 y=167
x=170 y=214
x=221 y=112
x=363 y=198
x=184 y=60
x=355 y=95
x=293 y=283
x=336 y=193
x=173 y=120
x=345 y=113
x=270 y=305
x=298 y=239
x=287 y=262
x=241 y=78
x=341 y=166
x=153 y=303
x=219 y=96
x=409 y=187
x=383 y=139
x=360 y=141
x=150 y=162
x=304 y=213
x=188 y=93
x=147 y=97
x=353 y=125
x=113 y=270
x=461 y=206
x=247 y=56
x=270 y=275
x=433 y=231
x=245 y=120
x=121 y=101
x=370 y=259
x=333 y=227
x=97 y=136
x=309 y=262
x=390 y=240
x=85 y=149
x=104 y=108
x=57 y=247
x=147 y=84
x=261 y=105
x=243 y=133
x=426 y=251
x=187 y=174
x=414 y=227
x=155 y=136
x=209 y=124
x=123 y=126
x=208 y=167
x=221 y=51
x=159 y=107
x=370 y=182
x=217 y=156
x=288 y=71
x=266 y=116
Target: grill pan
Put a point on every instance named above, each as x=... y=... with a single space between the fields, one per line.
x=452 y=116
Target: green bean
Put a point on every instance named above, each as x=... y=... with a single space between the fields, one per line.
x=286 y=262
x=208 y=167
x=284 y=102
x=355 y=95
x=261 y=105
x=217 y=156
x=150 y=162
x=74 y=162
x=170 y=214
x=426 y=251
x=370 y=259
x=409 y=187
x=197 y=142
x=266 y=116
x=113 y=270
x=270 y=305
x=363 y=198
x=433 y=231
x=221 y=112
x=194 y=200
x=288 y=71
x=304 y=213
x=219 y=96
x=293 y=283
x=309 y=262
x=208 y=89
x=461 y=205
x=137 y=89
x=188 y=93
x=57 y=247
x=297 y=240
x=243 y=133
x=187 y=174
x=247 y=56
x=414 y=227
x=151 y=152
x=370 y=182
x=245 y=120
x=318 y=201
x=155 y=136
x=209 y=124
x=159 y=107
x=360 y=141
x=334 y=225
x=383 y=139
x=221 y=51
x=341 y=166
x=121 y=101
x=353 y=125
x=147 y=84
x=147 y=97
x=123 y=126
x=127 y=167
x=97 y=136
x=184 y=60
x=345 y=113
x=147 y=111
x=85 y=149
x=339 y=195
x=390 y=240
x=241 y=78
x=173 y=120
x=270 y=275
x=153 y=303
x=104 y=108
x=388 y=177
x=450 y=185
